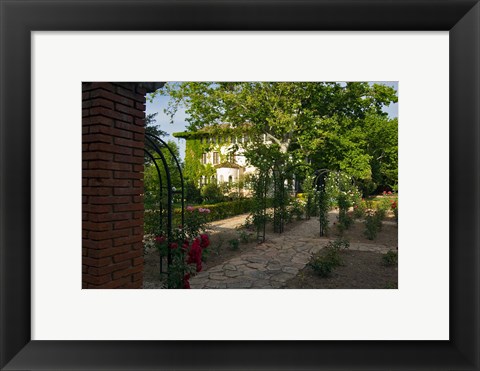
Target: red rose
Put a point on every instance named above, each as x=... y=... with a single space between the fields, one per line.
x=205 y=241
x=160 y=239
x=173 y=245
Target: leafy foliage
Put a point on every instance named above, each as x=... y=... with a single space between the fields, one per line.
x=337 y=126
x=323 y=264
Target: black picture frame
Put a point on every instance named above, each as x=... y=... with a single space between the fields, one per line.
x=18 y=18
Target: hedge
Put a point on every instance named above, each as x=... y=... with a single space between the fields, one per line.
x=219 y=211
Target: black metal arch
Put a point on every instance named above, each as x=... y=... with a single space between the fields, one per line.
x=153 y=143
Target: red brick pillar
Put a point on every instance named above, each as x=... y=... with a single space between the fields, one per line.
x=112 y=178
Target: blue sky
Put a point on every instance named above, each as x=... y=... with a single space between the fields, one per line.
x=179 y=124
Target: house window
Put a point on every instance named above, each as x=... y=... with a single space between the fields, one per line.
x=214 y=179
x=216 y=158
x=231 y=157
x=204 y=158
x=230 y=180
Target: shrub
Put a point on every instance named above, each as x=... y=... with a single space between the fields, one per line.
x=324 y=264
x=394 y=206
x=192 y=193
x=359 y=209
x=321 y=266
x=373 y=224
x=234 y=244
x=212 y=193
x=297 y=208
x=245 y=237
x=344 y=220
x=390 y=258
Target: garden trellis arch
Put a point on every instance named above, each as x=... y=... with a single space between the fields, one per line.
x=153 y=149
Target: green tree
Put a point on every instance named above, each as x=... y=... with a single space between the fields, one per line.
x=326 y=125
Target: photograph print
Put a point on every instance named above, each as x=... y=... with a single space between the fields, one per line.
x=240 y=185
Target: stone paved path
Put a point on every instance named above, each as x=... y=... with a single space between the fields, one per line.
x=272 y=263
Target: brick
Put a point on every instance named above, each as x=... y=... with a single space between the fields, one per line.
x=110 y=165
x=127 y=224
x=138 y=245
x=121 y=241
x=140 y=106
x=102 y=111
x=91 y=262
x=97 y=156
x=100 y=93
x=130 y=94
x=141 y=90
x=139 y=214
x=110 y=217
x=129 y=143
x=100 y=271
x=138 y=261
x=105 y=235
x=98 y=102
x=86 y=86
x=97 y=245
x=96 y=280
x=109 y=200
x=84 y=251
x=138 y=168
x=127 y=256
x=128 y=207
x=130 y=159
x=138 y=231
x=109 y=182
x=127 y=175
x=97 y=174
x=97 y=120
x=104 y=147
x=129 y=110
x=96 y=138
x=85 y=95
x=97 y=191
x=139 y=152
x=96 y=209
x=129 y=85
x=129 y=127
x=127 y=272
x=107 y=253
x=138 y=277
x=98 y=227
x=115 y=132
x=85 y=130
x=139 y=122
x=138 y=199
x=128 y=191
